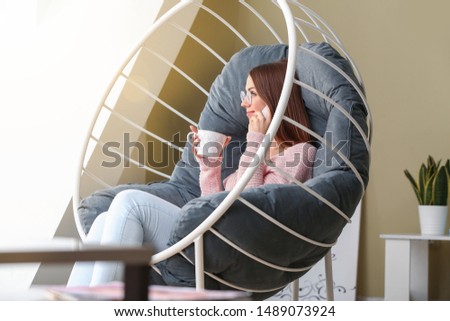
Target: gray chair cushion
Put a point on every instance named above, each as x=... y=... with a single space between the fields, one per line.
x=289 y=204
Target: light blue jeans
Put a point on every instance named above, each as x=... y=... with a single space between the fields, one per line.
x=134 y=218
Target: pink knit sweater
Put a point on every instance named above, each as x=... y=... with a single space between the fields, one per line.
x=296 y=160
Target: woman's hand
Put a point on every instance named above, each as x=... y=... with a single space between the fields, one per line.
x=196 y=143
x=195 y=138
x=259 y=123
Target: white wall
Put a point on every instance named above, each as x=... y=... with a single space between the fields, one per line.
x=56 y=59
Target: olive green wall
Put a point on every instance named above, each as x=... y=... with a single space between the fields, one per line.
x=402 y=50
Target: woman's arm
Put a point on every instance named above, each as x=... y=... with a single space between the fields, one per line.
x=297 y=161
x=254 y=140
x=210 y=175
x=211 y=170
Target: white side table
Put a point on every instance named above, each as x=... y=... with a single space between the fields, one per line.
x=406 y=266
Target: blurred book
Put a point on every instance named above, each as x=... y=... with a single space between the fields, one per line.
x=114 y=291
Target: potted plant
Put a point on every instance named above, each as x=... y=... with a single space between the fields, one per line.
x=431 y=189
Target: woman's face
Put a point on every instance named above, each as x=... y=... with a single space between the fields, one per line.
x=255 y=103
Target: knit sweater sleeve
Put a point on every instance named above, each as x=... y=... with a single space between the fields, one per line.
x=248 y=159
x=210 y=175
x=296 y=161
x=210 y=168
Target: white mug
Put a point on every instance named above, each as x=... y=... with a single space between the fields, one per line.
x=211 y=142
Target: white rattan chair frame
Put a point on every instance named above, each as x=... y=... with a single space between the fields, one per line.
x=298 y=27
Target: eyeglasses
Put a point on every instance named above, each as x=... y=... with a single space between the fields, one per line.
x=246 y=96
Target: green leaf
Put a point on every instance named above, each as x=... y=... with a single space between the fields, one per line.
x=422 y=179
x=428 y=190
x=432 y=168
x=428 y=193
x=430 y=162
x=414 y=185
x=447 y=169
x=440 y=187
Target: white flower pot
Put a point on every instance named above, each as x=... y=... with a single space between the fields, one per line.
x=433 y=219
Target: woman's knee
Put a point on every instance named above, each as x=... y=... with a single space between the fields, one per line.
x=129 y=199
x=131 y=203
x=141 y=206
x=131 y=196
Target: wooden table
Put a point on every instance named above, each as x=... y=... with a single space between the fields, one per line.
x=136 y=260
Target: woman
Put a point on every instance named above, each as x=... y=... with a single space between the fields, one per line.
x=136 y=217
x=289 y=150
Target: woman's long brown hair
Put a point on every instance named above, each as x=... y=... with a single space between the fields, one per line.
x=268 y=80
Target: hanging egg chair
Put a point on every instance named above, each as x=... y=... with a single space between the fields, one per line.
x=256 y=239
